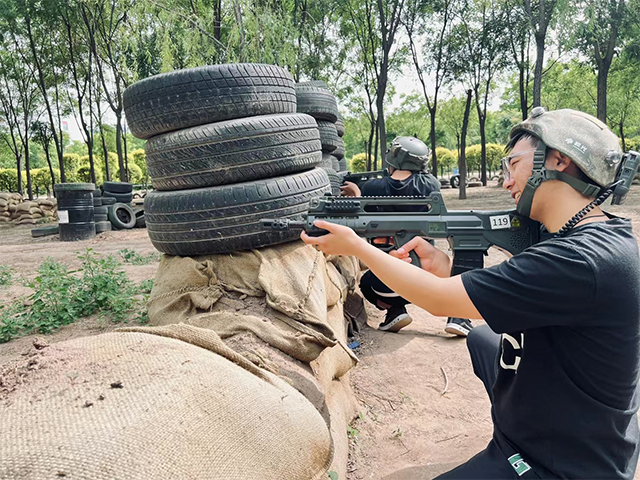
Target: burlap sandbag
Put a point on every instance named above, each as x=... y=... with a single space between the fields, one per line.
x=281 y=308
x=5 y=195
x=133 y=405
x=293 y=280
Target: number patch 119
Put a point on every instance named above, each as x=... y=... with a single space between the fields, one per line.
x=500 y=221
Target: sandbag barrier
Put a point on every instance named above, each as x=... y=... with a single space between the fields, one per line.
x=15 y=209
x=225 y=149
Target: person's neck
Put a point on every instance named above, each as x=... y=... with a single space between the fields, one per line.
x=558 y=202
x=401 y=174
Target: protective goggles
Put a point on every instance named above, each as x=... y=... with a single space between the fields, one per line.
x=506 y=162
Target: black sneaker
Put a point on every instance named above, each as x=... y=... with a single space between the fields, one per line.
x=458 y=326
x=397 y=318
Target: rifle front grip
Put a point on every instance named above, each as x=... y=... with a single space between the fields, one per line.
x=314 y=231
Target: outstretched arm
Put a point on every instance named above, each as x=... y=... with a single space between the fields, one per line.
x=439 y=296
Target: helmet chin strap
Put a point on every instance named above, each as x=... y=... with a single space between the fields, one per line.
x=540 y=174
x=534 y=181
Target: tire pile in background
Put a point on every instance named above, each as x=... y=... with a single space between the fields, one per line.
x=315 y=99
x=84 y=211
x=226 y=148
x=113 y=208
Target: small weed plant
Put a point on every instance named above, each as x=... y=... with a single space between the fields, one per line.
x=61 y=296
x=135 y=258
x=6 y=273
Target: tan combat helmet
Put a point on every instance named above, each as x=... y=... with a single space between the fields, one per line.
x=585 y=139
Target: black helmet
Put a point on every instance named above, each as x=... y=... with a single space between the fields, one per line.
x=408 y=153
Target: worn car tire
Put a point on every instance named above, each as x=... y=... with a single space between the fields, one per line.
x=328 y=136
x=334 y=180
x=213 y=93
x=119 y=197
x=317 y=102
x=233 y=151
x=103 y=227
x=226 y=218
x=45 y=231
x=340 y=125
x=342 y=164
x=122 y=216
x=117 y=187
x=140 y=220
x=339 y=151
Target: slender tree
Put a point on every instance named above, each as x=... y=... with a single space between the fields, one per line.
x=432 y=21
x=539 y=14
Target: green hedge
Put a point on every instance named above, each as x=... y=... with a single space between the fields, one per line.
x=358 y=163
x=446 y=158
x=473 y=154
x=9 y=179
x=135 y=173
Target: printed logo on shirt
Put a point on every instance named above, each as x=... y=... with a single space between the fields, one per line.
x=519 y=465
x=511 y=352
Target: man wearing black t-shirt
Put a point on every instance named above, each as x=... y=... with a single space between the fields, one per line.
x=406 y=160
x=559 y=355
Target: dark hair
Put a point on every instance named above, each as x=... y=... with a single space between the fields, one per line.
x=521 y=135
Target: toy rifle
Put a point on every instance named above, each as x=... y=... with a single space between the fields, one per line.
x=469 y=233
x=362 y=177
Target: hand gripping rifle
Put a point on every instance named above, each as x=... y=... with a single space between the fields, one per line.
x=470 y=233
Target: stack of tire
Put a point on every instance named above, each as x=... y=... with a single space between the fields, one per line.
x=225 y=149
x=315 y=99
x=113 y=208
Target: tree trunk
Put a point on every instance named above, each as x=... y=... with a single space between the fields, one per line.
x=523 y=93
x=382 y=87
x=126 y=157
x=462 y=161
x=123 y=172
x=482 y=120
x=107 y=170
x=43 y=89
x=19 y=169
x=622 y=138
x=537 y=74
x=26 y=156
x=53 y=176
x=603 y=74
x=432 y=138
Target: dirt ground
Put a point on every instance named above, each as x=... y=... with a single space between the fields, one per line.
x=421 y=409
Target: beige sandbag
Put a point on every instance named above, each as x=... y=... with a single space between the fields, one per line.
x=294 y=280
x=141 y=406
x=27 y=221
x=4 y=219
x=13 y=208
x=3 y=202
x=45 y=202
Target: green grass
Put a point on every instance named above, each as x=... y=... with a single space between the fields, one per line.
x=61 y=296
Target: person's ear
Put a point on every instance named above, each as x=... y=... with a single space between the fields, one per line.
x=558 y=161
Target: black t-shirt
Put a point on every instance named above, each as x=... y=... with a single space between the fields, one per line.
x=419 y=184
x=568 y=310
